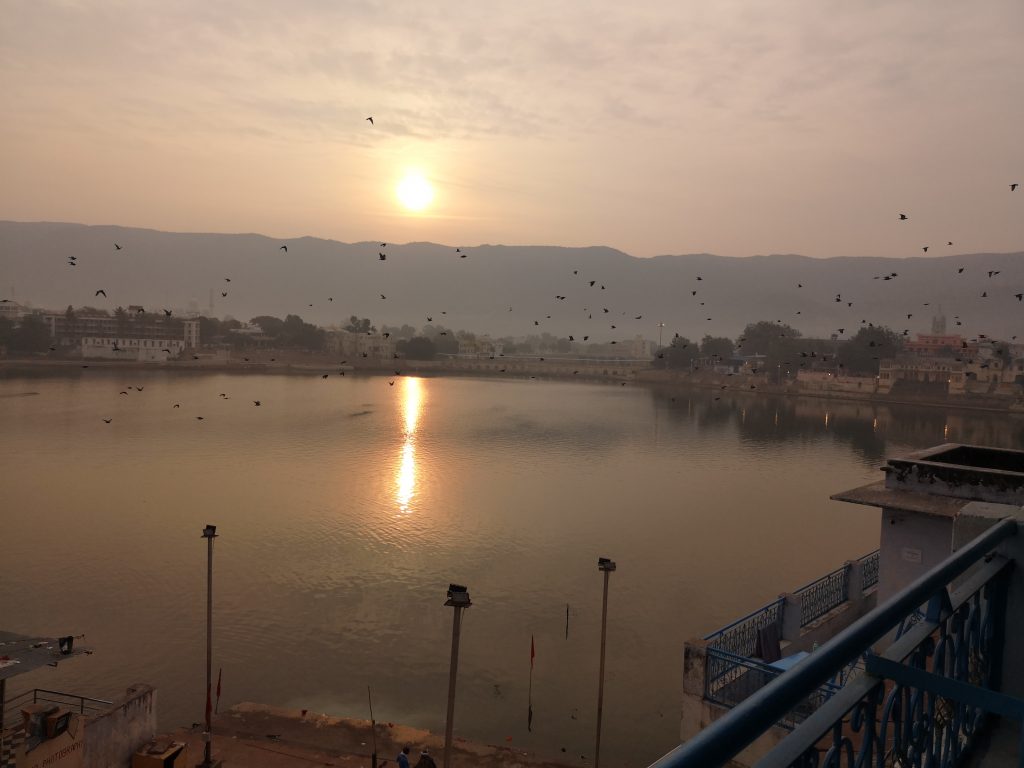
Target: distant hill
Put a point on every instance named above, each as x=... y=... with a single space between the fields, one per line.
x=421 y=280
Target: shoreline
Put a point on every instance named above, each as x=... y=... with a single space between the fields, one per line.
x=277 y=737
x=611 y=372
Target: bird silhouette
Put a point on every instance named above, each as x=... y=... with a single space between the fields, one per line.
x=370 y=119
x=1013 y=187
x=903 y=217
x=167 y=312
x=117 y=247
x=283 y=248
x=177 y=405
x=224 y=295
x=925 y=249
x=107 y=421
x=383 y=256
x=256 y=403
x=227 y=279
x=101 y=292
x=199 y=418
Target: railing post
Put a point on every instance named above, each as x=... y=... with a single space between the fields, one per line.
x=792 y=606
x=855 y=582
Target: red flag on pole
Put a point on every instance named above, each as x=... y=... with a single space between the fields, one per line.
x=220 y=672
x=532 y=652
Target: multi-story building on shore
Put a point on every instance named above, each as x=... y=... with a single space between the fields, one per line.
x=131 y=334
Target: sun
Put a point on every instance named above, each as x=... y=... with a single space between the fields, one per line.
x=414 y=191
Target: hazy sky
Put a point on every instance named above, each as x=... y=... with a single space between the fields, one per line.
x=733 y=127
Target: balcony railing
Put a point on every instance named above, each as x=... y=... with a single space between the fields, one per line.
x=740 y=637
x=919 y=703
x=823 y=595
x=83 y=705
x=869 y=570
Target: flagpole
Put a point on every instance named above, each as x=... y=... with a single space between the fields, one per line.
x=529 y=695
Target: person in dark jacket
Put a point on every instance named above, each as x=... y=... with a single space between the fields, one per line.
x=403 y=757
x=426 y=761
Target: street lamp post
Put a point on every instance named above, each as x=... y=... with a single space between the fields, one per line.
x=458 y=598
x=660 y=326
x=209 y=533
x=607 y=566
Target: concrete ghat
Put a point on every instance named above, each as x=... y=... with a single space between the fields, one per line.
x=242 y=737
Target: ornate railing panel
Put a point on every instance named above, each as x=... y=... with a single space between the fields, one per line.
x=732 y=679
x=869 y=570
x=740 y=637
x=821 y=596
x=923 y=710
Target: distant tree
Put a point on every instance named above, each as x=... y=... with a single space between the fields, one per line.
x=405 y=331
x=270 y=325
x=32 y=335
x=298 y=333
x=210 y=330
x=356 y=325
x=416 y=348
x=680 y=354
x=716 y=346
x=778 y=342
x=861 y=354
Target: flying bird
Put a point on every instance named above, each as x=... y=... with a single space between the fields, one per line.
x=256 y=403
x=117 y=247
x=224 y=294
x=107 y=421
x=101 y=292
x=370 y=119
x=925 y=249
x=1013 y=187
x=283 y=248
x=167 y=312
x=383 y=256
x=903 y=217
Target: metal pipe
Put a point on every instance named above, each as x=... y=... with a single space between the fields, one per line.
x=209 y=533
x=208 y=748
x=600 y=674
x=452 y=670
x=724 y=739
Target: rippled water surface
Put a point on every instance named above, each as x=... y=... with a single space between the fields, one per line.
x=346 y=506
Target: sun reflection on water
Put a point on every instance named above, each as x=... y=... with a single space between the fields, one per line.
x=412 y=401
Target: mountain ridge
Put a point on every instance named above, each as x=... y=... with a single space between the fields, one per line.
x=421 y=280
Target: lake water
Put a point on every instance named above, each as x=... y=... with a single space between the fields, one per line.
x=346 y=506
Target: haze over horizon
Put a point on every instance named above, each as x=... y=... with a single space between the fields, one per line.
x=662 y=128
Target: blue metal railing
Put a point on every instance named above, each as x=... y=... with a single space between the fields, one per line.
x=740 y=637
x=874 y=720
x=869 y=570
x=731 y=679
x=824 y=594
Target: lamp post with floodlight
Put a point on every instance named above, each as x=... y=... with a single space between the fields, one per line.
x=458 y=598
x=209 y=533
x=606 y=566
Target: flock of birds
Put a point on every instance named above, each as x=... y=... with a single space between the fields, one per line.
x=594 y=307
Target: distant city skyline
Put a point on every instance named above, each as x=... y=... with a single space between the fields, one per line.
x=736 y=128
